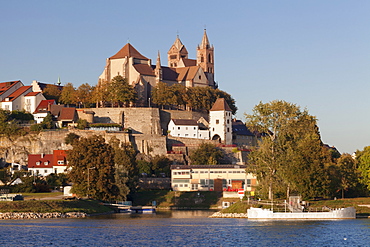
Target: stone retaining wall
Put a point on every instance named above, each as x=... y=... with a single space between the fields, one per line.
x=229 y=215
x=30 y=215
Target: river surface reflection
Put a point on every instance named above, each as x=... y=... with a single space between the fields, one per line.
x=182 y=228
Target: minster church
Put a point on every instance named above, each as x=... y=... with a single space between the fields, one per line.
x=143 y=75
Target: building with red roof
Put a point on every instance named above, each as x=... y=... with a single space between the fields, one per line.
x=42 y=110
x=46 y=164
x=140 y=73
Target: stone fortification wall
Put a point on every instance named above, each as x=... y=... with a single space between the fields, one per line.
x=167 y=115
x=17 y=149
x=141 y=120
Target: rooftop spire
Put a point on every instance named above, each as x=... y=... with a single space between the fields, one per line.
x=205 y=42
x=158 y=64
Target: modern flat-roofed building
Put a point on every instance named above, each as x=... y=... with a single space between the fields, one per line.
x=211 y=178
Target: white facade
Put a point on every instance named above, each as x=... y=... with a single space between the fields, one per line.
x=220 y=126
x=186 y=128
x=32 y=101
x=41 y=171
x=205 y=177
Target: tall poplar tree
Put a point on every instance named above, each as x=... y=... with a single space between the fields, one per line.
x=290 y=156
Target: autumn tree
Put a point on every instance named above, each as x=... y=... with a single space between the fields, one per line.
x=100 y=94
x=206 y=154
x=52 y=92
x=68 y=94
x=84 y=94
x=92 y=168
x=290 y=155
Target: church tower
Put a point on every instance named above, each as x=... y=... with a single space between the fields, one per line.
x=220 y=124
x=158 y=69
x=176 y=53
x=205 y=59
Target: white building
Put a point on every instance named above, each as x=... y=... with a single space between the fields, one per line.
x=220 y=122
x=187 y=128
x=211 y=177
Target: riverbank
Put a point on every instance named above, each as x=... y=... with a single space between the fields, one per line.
x=32 y=215
x=57 y=207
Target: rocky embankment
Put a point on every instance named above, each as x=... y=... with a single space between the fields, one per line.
x=229 y=215
x=30 y=215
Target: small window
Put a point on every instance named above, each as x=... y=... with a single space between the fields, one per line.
x=46 y=163
x=228 y=129
x=200 y=77
x=178 y=128
x=217 y=121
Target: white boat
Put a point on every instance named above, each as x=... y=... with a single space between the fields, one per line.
x=340 y=213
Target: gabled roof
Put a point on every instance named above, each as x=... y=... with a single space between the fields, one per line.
x=20 y=91
x=187 y=73
x=220 y=105
x=4 y=86
x=44 y=85
x=239 y=128
x=144 y=69
x=128 y=51
x=44 y=105
x=32 y=94
x=188 y=122
x=189 y=62
x=67 y=114
x=34 y=158
x=55 y=110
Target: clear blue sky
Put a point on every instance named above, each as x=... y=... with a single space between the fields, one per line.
x=312 y=53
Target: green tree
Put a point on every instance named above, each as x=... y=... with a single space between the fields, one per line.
x=70 y=138
x=206 y=154
x=121 y=91
x=52 y=92
x=100 y=93
x=126 y=173
x=161 y=165
x=290 y=155
x=348 y=173
x=47 y=123
x=363 y=159
x=92 y=168
x=162 y=94
x=68 y=94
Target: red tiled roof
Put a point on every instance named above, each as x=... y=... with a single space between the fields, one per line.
x=32 y=94
x=4 y=86
x=67 y=114
x=128 y=51
x=144 y=69
x=59 y=155
x=187 y=73
x=220 y=105
x=190 y=122
x=189 y=62
x=34 y=158
x=44 y=105
x=20 y=91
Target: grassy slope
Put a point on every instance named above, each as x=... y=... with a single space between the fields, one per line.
x=87 y=206
x=173 y=199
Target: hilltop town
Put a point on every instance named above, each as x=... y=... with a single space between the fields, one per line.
x=147 y=121
x=149 y=126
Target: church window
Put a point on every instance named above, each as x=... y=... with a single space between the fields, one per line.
x=201 y=59
x=209 y=58
x=228 y=129
x=228 y=121
x=200 y=77
x=173 y=56
x=175 y=64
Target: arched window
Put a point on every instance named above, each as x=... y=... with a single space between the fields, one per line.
x=209 y=58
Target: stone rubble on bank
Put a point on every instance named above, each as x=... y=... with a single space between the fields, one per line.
x=30 y=215
x=229 y=215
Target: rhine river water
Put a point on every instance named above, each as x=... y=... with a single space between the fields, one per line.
x=182 y=228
